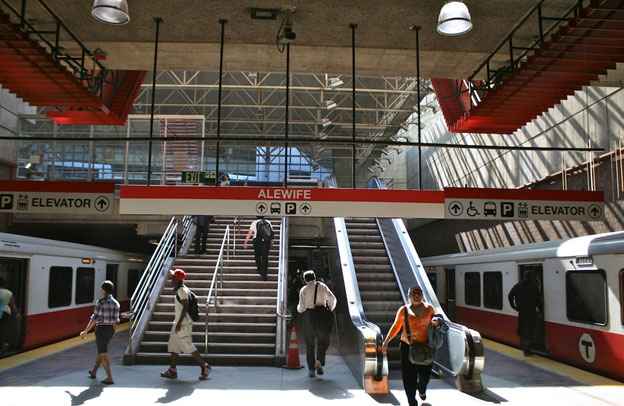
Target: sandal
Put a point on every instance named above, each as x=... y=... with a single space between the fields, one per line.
x=107 y=382
x=91 y=375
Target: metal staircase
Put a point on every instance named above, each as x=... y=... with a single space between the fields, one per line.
x=242 y=331
x=35 y=68
x=572 y=52
x=379 y=290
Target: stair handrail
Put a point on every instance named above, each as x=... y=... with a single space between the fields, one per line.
x=80 y=70
x=500 y=74
x=218 y=271
x=282 y=294
x=155 y=269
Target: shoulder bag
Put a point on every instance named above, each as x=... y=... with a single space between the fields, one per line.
x=419 y=354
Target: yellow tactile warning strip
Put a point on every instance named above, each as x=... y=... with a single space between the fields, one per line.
x=583 y=376
x=24 y=357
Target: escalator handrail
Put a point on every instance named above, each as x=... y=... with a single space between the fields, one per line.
x=370 y=332
x=406 y=279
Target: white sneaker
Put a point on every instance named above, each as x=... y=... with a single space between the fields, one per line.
x=319 y=367
x=311 y=373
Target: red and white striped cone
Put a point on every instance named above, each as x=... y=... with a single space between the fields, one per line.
x=293 y=353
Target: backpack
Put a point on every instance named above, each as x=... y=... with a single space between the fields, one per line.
x=193 y=306
x=264 y=230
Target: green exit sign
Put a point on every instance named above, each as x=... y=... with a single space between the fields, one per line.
x=204 y=178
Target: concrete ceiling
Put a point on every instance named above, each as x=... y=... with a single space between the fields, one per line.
x=190 y=34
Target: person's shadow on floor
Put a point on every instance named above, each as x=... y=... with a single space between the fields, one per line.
x=89 y=393
x=176 y=390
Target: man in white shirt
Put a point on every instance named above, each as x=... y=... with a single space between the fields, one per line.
x=181 y=337
x=317 y=322
x=262 y=243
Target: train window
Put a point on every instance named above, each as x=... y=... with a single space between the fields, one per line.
x=493 y=290
x=133 y=281
x=586 y=297
x=472 y=288
x=60 y=286
x=85 y=285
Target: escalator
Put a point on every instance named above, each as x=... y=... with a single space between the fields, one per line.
x=372 y=269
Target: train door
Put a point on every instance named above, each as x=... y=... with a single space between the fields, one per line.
x=536 y=274
x=15 y=275
x=450 y=293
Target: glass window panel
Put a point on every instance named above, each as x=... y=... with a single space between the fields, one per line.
x=586 y=297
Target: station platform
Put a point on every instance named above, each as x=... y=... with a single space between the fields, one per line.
x=57 y=375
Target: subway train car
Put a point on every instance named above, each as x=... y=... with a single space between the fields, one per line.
x=56 y=284
x=581 y=281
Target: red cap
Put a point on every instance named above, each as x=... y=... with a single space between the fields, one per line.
x=178 y=274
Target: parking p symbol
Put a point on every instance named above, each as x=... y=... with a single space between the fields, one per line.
x=507 y=209
x=290 y=208
x=6 y=202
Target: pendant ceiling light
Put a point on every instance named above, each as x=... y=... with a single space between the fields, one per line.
x=111 y=11
x=454 y=19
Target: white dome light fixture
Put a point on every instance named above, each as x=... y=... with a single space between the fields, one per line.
x=454 y=19
x=111 y=11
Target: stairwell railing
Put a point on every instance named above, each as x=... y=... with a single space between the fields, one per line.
x=93 y=75
x=174 y=236
x=217 y=281
x=516 y=53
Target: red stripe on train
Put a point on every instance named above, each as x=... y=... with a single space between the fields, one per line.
x=562 y=341
x=48 y=328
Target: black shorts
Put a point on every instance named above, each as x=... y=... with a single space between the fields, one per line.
x=103 y=335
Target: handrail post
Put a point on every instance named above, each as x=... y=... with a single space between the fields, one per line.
x=539 y=18
x=175 y=240
x=23 y=16
x=511 y=55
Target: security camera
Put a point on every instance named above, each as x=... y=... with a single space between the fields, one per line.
x=287 y=36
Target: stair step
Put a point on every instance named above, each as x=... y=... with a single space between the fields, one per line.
x=215 y=326
x=163 y=358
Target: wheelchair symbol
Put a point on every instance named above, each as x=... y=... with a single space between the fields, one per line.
x=472 y=211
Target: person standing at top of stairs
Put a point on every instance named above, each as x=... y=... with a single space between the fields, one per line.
x=262 y=232
x=203 y=224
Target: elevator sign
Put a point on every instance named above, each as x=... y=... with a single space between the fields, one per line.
x=56 y=197
x=519 y=204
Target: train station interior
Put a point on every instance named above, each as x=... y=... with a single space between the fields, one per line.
x=200 y=103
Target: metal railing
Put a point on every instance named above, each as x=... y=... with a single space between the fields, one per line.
x=282 y=294
x=140 y=303
x=214 y=284
x=497 y=76
x=94 y=75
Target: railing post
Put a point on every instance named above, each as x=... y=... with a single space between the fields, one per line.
x=511 y=55
x=539 y=18
x=23 y=16
x=175 y=240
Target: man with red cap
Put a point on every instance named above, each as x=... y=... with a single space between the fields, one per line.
x=180 y=340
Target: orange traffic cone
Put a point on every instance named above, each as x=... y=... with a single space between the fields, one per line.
x=293 y=353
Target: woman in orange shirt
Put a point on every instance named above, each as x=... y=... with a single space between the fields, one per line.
x=420 y=315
